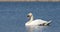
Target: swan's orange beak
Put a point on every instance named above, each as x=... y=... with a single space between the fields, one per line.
x=28 y=16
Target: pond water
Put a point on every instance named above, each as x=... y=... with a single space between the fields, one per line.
x=13 y=16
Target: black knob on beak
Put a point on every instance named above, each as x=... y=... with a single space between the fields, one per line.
x=28 y=16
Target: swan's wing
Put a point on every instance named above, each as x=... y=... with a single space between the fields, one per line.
x=38 y=21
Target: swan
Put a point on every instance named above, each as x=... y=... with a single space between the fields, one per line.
x=38 y=22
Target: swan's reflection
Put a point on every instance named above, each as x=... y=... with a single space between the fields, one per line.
x=35 y=28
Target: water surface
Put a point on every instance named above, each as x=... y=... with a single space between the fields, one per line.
x=13 y=16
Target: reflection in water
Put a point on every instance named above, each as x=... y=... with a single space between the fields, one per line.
x=35 y=28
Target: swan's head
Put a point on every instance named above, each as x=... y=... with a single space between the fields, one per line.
x=29 y=15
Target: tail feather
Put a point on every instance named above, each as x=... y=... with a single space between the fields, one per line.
x=49 y=22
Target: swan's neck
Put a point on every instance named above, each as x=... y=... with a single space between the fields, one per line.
x=31 y=19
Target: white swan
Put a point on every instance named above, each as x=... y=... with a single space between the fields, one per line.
x=37 y=21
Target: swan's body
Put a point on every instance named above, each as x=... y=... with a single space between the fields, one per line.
x=37 y=21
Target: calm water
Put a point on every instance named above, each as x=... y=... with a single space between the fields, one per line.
x=13 y=16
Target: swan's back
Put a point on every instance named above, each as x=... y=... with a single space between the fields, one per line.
x=37 y=22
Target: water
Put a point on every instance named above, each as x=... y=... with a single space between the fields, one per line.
x=13 y=16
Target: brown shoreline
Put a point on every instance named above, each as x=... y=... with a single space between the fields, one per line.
x=29 y=0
